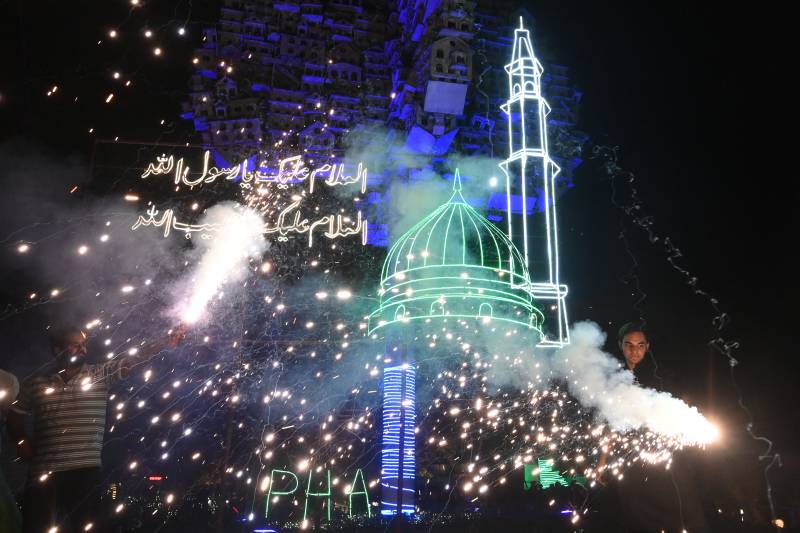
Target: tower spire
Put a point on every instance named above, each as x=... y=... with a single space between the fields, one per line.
x=530 y=184
x=456 y=197
x=457 y=182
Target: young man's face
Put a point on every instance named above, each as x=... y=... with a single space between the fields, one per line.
x=634 y=347
x=72 y=351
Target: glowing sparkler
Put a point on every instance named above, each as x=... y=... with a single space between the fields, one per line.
x=225 y=258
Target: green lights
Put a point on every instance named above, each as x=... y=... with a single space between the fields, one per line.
x=455 y=263
x=273 y=492
x=546 y=476
x=289 y=484
x=327 y=495
x=362 y=492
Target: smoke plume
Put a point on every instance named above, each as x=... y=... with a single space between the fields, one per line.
x=596 y=379
x=223 y=259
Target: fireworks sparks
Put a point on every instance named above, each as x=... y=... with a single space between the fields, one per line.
x=290 y=372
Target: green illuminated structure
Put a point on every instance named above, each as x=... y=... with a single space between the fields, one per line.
x=455 y=263
x=546 y=476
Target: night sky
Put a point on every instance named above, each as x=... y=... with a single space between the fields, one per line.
x=696 y=97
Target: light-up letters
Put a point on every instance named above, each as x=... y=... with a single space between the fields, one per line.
x=169 y=222
x=327 y=495
x=337 y=225
x=285 y=482
x=294 y=170
x=331 y=226
x=291 y=170
x=354 y=492
x=278 y=492
x=290 y=220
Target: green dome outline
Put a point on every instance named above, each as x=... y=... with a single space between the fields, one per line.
x=458 y=287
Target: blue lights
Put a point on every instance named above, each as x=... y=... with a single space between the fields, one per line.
x=398 y=452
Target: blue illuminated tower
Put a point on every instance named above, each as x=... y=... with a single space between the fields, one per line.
x=531 y=188
x=398 y=457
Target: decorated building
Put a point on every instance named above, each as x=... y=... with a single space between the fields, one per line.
x=423 y=77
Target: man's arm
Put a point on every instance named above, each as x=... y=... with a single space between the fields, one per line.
x=125 y=365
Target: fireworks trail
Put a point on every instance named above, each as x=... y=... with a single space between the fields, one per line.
x=225 y=256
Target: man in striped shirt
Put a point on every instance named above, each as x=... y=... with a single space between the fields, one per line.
x=68 y=404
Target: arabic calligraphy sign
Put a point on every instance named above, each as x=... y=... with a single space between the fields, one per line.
x=290 y=220
x=290 y=170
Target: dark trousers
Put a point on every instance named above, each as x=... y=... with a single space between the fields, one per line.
x=67 y=499
x=10 y=518
x=655 y=499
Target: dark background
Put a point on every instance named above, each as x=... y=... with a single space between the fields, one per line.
x=697 y=97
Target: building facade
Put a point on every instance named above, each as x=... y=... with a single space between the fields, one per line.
x=276 y=78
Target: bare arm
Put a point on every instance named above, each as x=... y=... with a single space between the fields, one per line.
x=147 y=352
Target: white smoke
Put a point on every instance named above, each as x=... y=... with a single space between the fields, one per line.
x=596 y=379
x=224 y=259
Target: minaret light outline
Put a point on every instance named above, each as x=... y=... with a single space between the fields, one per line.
x=530 y=176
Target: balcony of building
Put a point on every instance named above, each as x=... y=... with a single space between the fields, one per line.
x=235 y=132
x=317 y=137
x=254 y=49
x=243 y=107
x=230 y=43
x=228 y=14
x=344 y=88
x=286 y=6
x=230 y=26
x=255 y=29
x=287 y=96
x=209 y=39
x=282 y=122
x=353 y=6
x=257 y=10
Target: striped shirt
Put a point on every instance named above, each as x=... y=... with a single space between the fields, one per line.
x=69 y=418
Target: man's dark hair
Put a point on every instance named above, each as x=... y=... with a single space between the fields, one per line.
x=59 y=334
x=631 y=327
